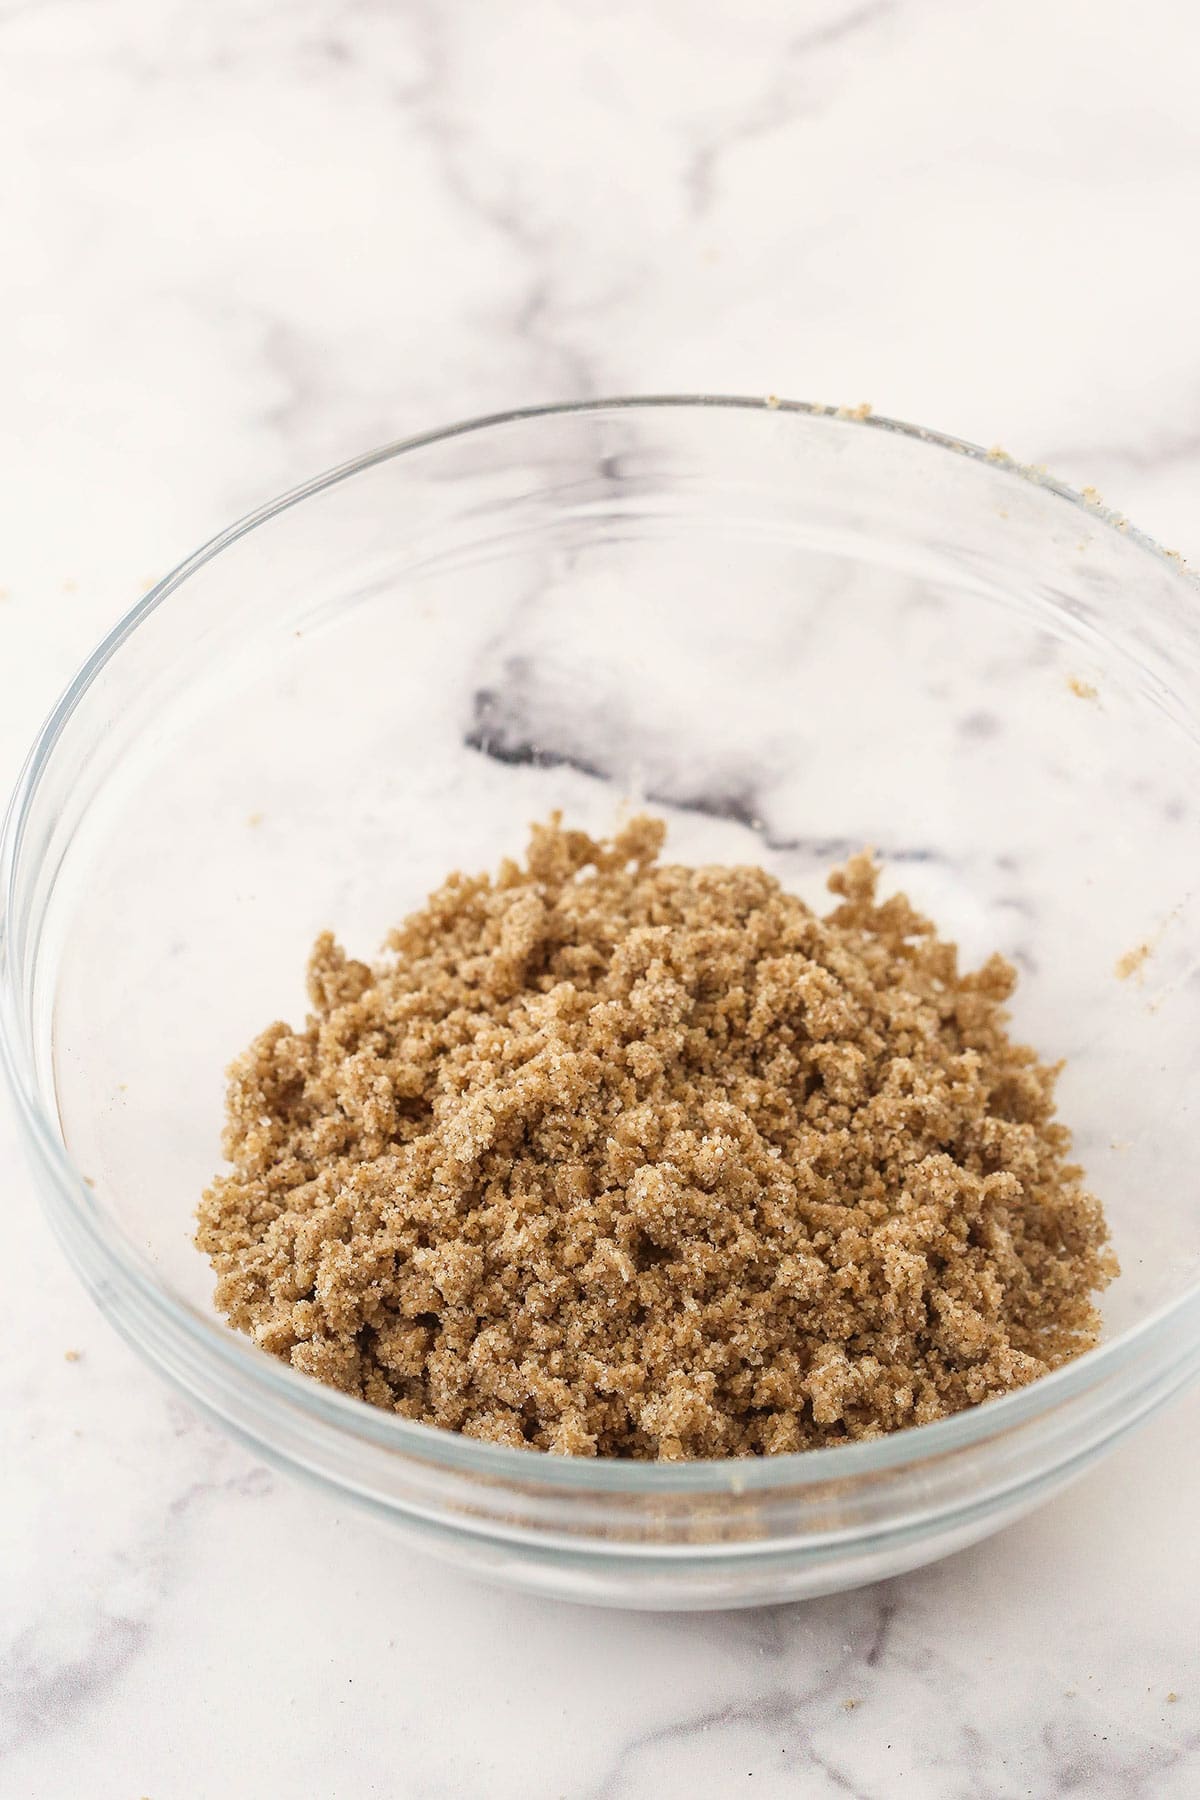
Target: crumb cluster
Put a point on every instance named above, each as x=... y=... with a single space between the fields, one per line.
x=610 y=1156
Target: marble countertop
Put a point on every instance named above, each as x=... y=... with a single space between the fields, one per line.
x=244 y=241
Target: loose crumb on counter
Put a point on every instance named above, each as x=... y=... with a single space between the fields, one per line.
x=1133 y=961
x=612 y=1156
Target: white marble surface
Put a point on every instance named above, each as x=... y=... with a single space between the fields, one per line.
x=245 y=240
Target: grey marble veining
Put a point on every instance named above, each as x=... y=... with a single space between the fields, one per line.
x=244 y=241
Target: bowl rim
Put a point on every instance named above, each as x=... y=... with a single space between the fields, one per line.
x=231 y=1353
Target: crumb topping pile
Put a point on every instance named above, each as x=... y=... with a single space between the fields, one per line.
x=611 y=1156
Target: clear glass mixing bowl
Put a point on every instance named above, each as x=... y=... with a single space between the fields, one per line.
x=791 y=633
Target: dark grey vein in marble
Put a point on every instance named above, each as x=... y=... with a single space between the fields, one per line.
x=497 y=730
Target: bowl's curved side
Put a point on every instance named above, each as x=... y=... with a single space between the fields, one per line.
x=698 y=1530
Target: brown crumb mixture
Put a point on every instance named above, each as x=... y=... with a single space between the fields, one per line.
x=615 y=1157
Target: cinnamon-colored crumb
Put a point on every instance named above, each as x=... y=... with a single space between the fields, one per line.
x=616 y=1157
x=1133 y=961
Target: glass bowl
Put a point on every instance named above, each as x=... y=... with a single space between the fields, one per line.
x=790 y=632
